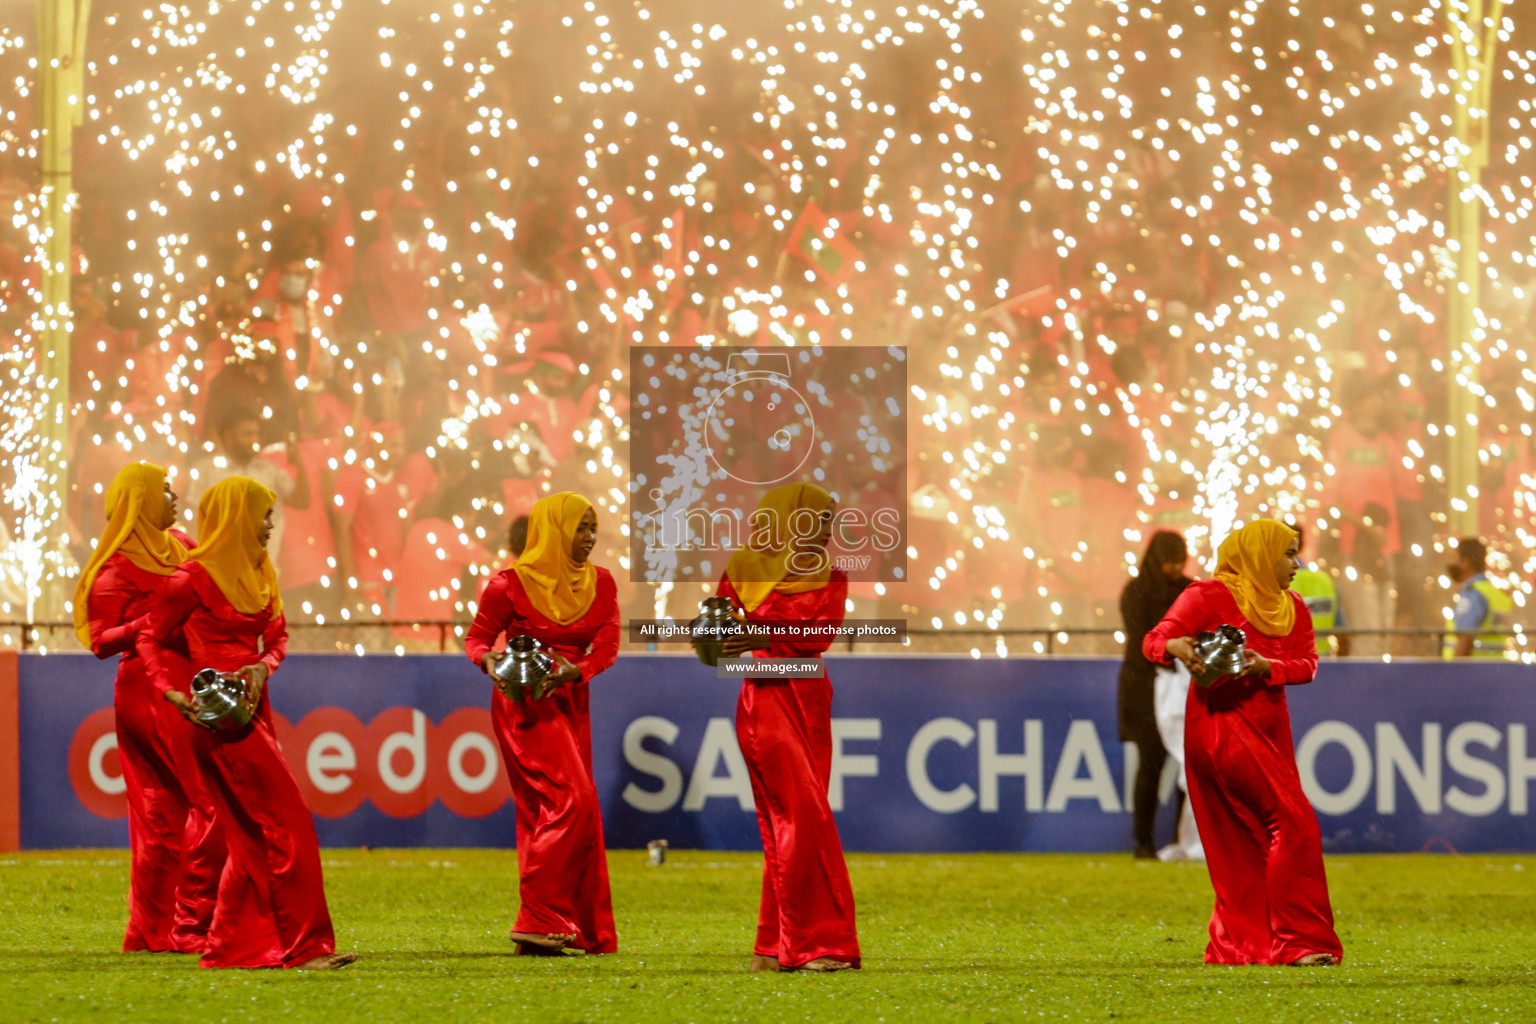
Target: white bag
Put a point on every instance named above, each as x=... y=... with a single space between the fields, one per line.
x=1170 y=694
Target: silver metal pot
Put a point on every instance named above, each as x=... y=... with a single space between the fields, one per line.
x=1221 y=650
x=715 y=623
x=523 y=666
x=219 y=700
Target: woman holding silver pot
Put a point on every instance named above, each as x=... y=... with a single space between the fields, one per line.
x=271 y=909
x=177 y=852
x=555 y=595
x=1262 y=842
x=784 y=726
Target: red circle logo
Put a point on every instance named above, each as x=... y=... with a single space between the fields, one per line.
x=96 y=766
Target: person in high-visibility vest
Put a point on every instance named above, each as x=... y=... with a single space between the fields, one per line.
x=1321 y=594
x=1482 y=611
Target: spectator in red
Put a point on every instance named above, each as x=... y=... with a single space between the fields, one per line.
x=556 y=402
x=98 y=349
x=255 y=378
x=437 y=557
x=337 y=408
x=289 y=298
x=373 y=504
x=239 y=454
x=1059 y=528
x=311 y=570
x=395 y=270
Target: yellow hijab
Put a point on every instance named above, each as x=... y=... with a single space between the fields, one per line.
x=135 y=505
x=228 y=520
x=1245 y=562
x=558 y=585
x=759 y=568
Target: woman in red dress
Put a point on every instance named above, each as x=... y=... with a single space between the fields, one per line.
x=271 y=908
x=177 y=852
x=784 y=726
x=1262 y=842
x=555 y=594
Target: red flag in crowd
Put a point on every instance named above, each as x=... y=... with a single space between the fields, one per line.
x=1036 y=302
x=812 y=239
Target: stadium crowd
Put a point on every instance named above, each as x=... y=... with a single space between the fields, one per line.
x=336 y=353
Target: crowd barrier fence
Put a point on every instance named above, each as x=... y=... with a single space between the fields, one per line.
x=420 y=636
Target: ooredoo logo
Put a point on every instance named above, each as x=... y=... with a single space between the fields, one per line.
x=401 y=761
x=95 y=766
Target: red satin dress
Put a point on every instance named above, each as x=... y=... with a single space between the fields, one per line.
x=547 y=747
x=784 y=727
x=271 y=904
x=1262 y=843
x=176 y=849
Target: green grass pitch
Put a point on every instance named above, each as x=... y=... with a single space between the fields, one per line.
x=946 y=938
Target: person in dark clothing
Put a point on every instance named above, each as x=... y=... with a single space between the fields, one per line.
x=517 y=536
x=1143 y=603
x=255 y=380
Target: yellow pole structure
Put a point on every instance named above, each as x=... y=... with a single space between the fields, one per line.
x=1474 y=50
x=61 y=31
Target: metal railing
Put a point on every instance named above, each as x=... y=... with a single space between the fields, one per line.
x=379 y=636
x=393 y=636
x=1100 y=641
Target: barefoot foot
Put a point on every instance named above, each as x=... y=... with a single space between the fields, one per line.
x=763 y=963
x=539 y=944
x=823 y=964
x=327 y=962
x=1316 y=960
